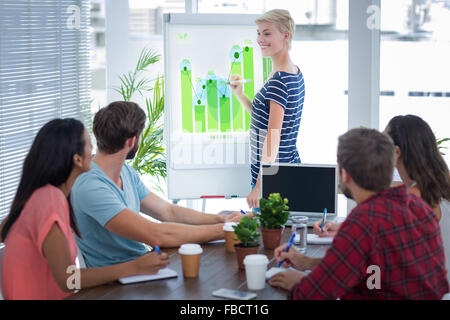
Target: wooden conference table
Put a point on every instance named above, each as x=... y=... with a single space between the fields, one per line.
x=218 y=269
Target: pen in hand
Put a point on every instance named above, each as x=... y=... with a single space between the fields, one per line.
x=324 y=219
x=291 y=240
x=243 y=212
x=238 y=81
x=157 y=249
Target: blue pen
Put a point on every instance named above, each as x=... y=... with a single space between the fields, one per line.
x=243 y=212
x=157 y=249
x=324 y=219
x=291 y=240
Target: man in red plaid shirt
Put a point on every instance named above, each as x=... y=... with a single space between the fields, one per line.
x=389 y=247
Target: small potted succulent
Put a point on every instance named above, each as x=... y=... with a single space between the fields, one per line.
x=247 y=232
x=273 y=217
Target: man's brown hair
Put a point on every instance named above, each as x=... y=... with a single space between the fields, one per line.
x=369 y=157
x=116 y=123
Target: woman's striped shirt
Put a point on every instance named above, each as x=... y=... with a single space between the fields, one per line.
x=288 y=90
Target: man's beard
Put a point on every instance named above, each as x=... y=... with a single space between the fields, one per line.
x=133 y=151
x=346 y=191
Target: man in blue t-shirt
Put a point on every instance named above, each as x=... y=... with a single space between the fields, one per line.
x=107 y=199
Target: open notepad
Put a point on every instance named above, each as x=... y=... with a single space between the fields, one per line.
x=161 y=274
x=314 y=239
x=274 y=270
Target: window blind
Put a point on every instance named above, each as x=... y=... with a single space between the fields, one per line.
x=44 y=74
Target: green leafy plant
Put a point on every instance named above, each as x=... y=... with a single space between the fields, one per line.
x=135 y=81
x=247 y=231
x=151 y=157
x=440 y=146
x=273 y=211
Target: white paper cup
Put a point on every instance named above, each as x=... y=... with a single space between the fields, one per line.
x=255 y=271
x=190 y=259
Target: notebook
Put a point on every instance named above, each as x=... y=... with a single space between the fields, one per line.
x=165 y=273
x=314 y=239
x=274 y=270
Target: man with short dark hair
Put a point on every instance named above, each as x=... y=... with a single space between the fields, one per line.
x=107 y=199
x=389 y=247
x=116 y=123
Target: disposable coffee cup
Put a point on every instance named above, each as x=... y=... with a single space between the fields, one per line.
x=255 y=271
x=190 y=259
x=230 y=237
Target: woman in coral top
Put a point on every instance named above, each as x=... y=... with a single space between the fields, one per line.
x=40 y=249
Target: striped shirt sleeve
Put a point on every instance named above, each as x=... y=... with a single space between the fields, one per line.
x=277 y=91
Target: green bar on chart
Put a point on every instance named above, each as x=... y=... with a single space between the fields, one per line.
x=213 y=107
x=186 y=97
x=249 y=87
x=236 y=68
x=267 y=68
x=225 y=114
x=200 y=118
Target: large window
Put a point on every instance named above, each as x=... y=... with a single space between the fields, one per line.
x=97 y=54
x=415 y=63
x=146 y=17
x=320 y=49
x=44 y=73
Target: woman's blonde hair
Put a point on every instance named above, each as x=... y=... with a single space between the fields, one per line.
x=283 y=21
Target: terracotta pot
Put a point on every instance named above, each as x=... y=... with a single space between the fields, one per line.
x=242 y=252
x=271 y=237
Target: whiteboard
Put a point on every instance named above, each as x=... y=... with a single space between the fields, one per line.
x=206 y=129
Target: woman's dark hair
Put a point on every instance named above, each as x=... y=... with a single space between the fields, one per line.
x=421 y=157
x=49 y=161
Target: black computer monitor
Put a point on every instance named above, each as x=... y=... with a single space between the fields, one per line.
x=309 y=188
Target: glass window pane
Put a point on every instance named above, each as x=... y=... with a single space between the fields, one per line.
x=146 y=16
x=98 y=56
x=320 y=49
x=415 y=64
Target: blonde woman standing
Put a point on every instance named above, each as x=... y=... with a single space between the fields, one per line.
x=276 y=109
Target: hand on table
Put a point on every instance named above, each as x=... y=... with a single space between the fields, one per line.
x=236 y=216
x=287 y=279
x=151 y=263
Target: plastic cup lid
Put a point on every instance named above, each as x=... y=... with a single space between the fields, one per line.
x=256 y=259
x=229 y=226
x=190 y=248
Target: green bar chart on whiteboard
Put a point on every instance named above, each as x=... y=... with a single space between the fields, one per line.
x=207 y=103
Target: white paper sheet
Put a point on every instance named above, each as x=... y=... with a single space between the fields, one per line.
x=162 y=274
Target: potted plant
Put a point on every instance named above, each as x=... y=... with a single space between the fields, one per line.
x=273 y=217
x=247 y=232
x=151 y=158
